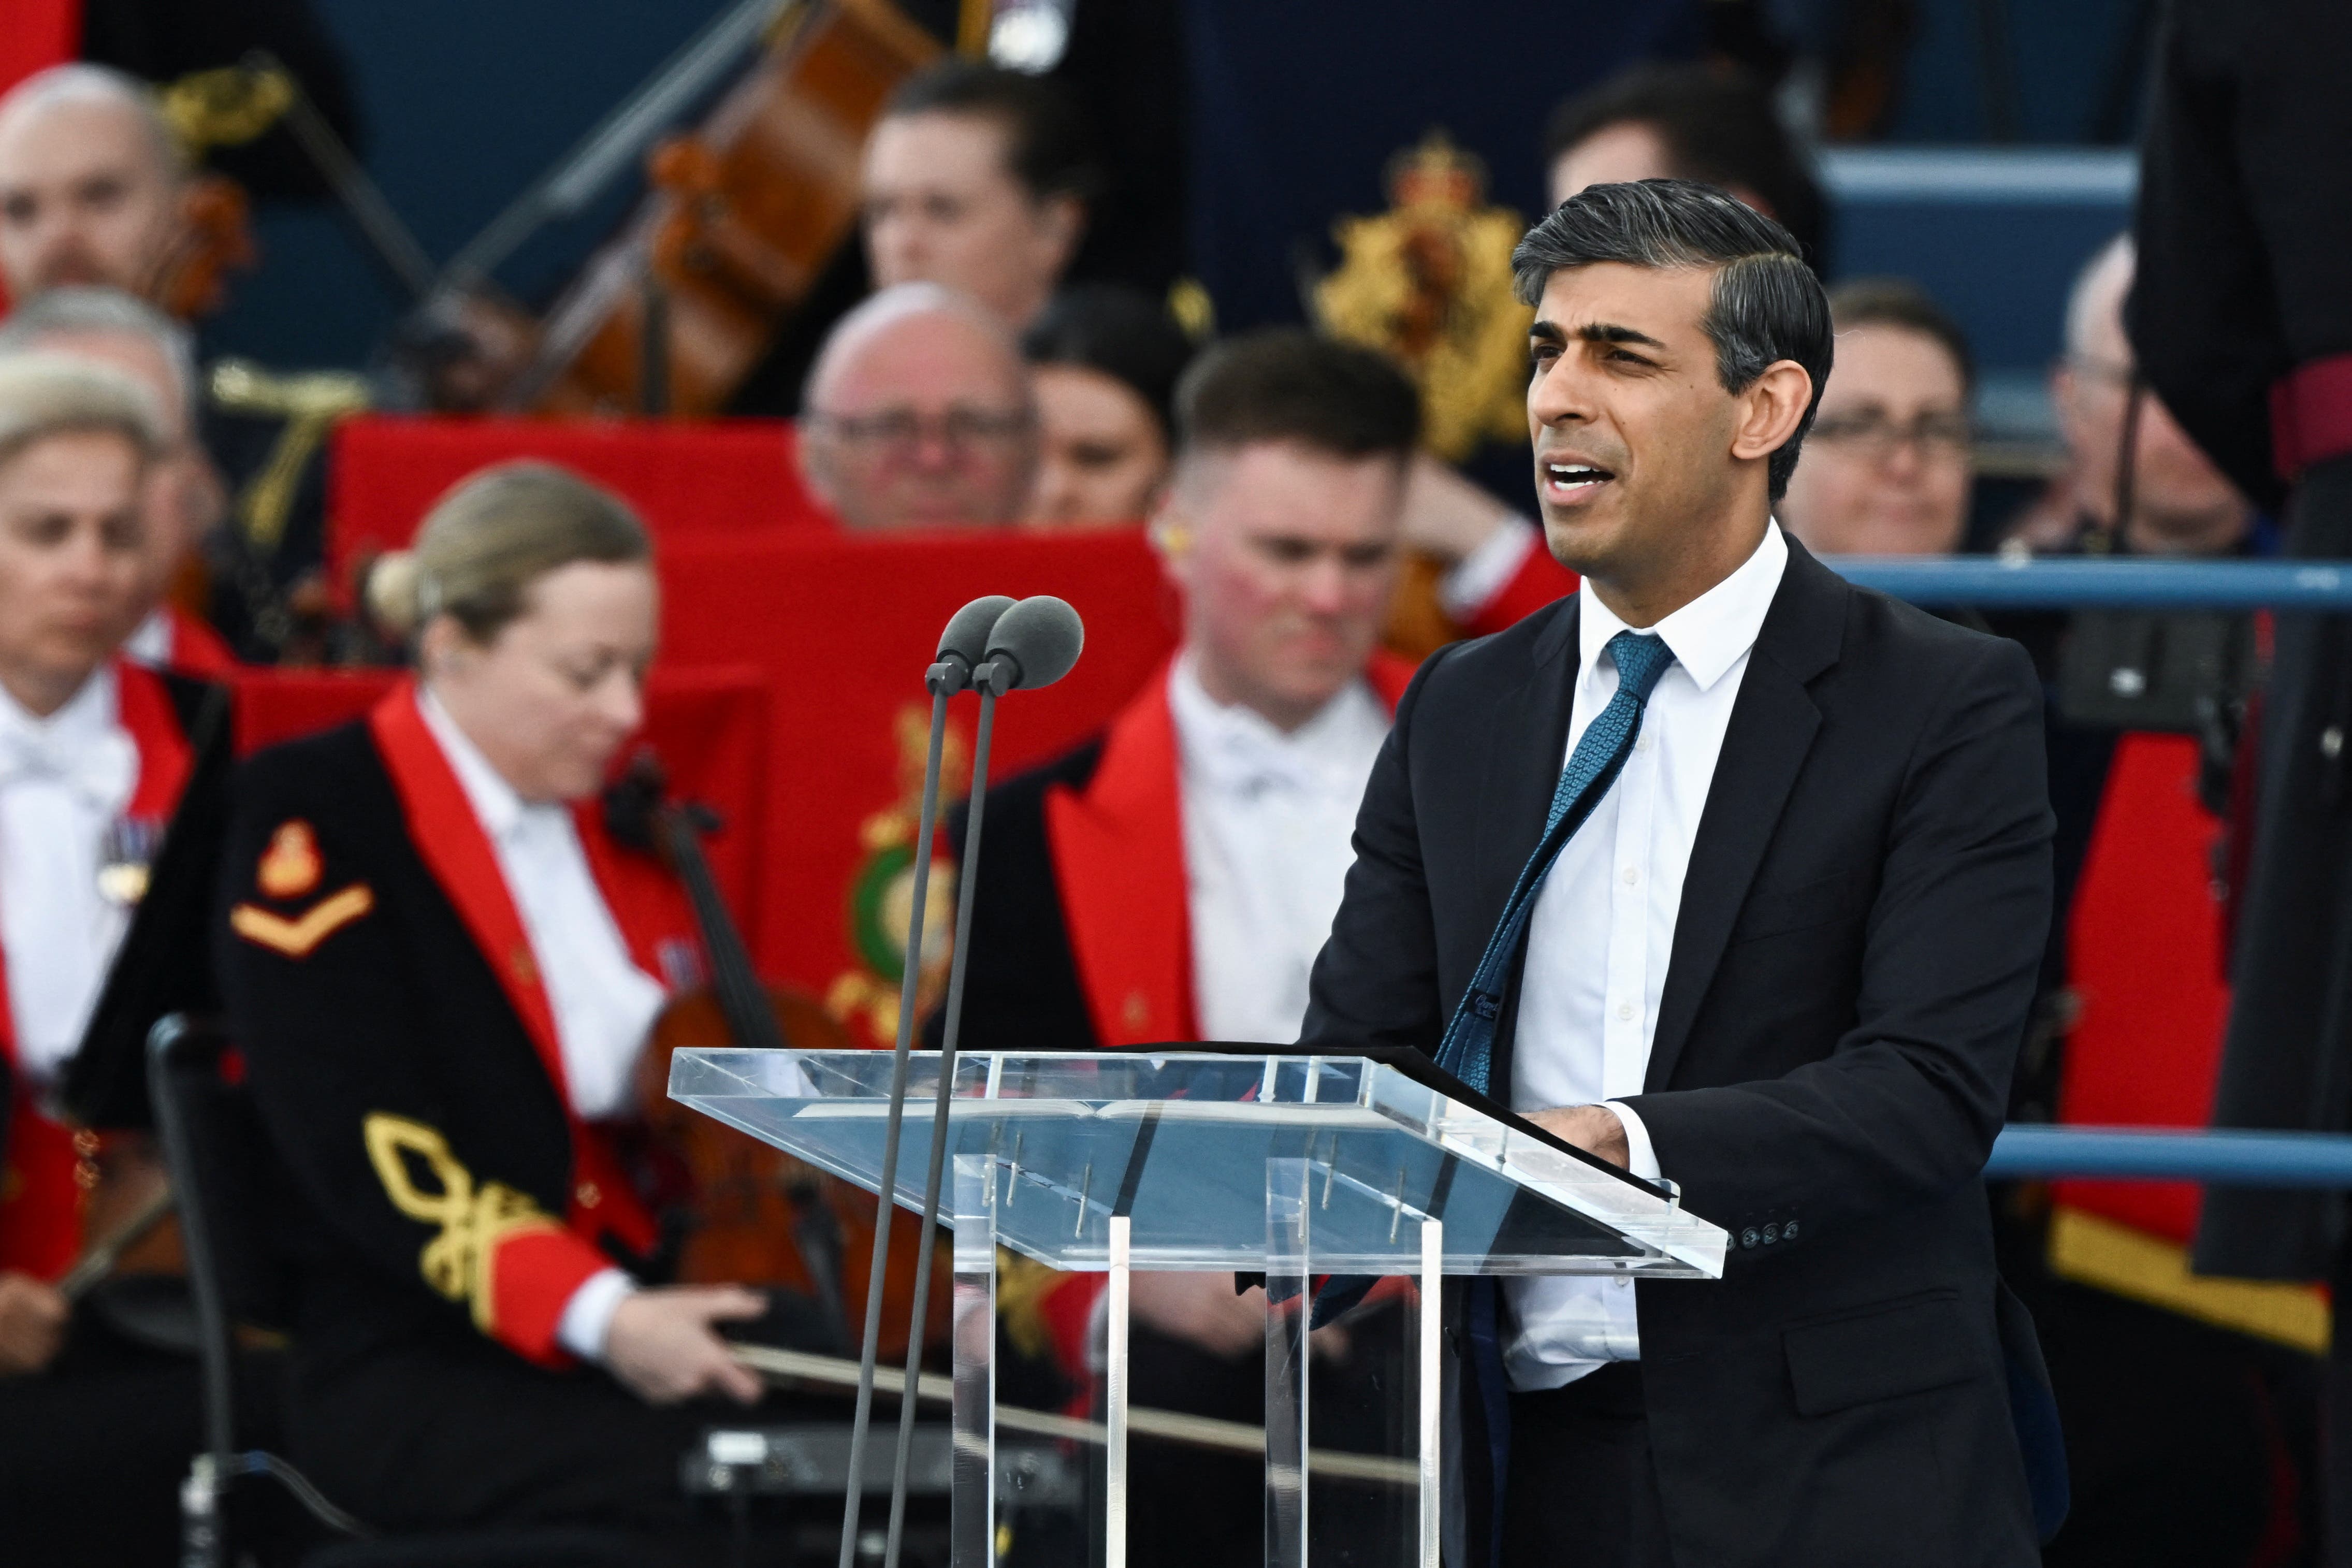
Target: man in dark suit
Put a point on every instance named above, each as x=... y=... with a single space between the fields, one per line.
x=1775 y=940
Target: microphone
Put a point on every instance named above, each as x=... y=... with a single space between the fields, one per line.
x=962 y=646
x=1034 y=644
x=965 y=642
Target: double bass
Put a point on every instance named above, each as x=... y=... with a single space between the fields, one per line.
x=744 y=1213
x=744 y=212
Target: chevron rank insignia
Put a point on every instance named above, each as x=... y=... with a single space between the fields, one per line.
x=301 y=936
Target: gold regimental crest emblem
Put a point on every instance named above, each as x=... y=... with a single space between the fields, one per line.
x=882 y=890
x=291 y=867
x=1429 y=283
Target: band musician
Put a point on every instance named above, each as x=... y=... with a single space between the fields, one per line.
x=1172 y=879
x=1726 y=871
x=95 y=1426
x=442 y=969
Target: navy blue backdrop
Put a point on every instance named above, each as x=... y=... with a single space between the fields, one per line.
x=1297 y=104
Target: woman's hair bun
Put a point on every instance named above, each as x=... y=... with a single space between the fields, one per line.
x=394 y=593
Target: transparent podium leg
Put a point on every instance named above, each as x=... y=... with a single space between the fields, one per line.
x=1115 y=1396
x=972 y=1499
x=1429 y=1389
x=1289 y=1308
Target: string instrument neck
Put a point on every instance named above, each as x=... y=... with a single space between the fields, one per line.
x=735 y=986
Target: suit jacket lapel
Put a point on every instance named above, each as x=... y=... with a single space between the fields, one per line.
x=1525 y=755
x=1772 y=727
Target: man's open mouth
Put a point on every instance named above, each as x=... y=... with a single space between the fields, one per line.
x=1569 y=482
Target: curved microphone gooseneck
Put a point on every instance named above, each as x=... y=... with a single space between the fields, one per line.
x=964 y=645
x=1034 y=644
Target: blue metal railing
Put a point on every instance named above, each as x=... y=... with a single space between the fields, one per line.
x=1994 y=582
x=2139 y=1155
x=2124 y=1154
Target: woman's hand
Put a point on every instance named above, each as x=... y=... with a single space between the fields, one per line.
x=33 y=1319
x=661 y=1343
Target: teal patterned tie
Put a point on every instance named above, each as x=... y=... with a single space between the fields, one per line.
x=1468 y=1048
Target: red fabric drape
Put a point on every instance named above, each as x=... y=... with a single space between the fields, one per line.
x=35 y=35
x=723 y=477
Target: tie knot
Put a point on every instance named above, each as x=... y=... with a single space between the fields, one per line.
x=1640 y=662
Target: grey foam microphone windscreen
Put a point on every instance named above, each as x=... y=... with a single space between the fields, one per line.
x=1041 y=635
x=966 y=638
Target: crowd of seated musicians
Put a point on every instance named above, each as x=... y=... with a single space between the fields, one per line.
x=440 y=968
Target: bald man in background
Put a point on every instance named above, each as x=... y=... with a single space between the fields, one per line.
x=2181 y=503
x=919 y=413
x=92 y=184
x=94 y=193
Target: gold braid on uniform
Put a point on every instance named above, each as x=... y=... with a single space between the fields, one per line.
x=309 y=403
x=228 y=106
x=457 y=1262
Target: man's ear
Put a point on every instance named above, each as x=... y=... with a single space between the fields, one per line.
x=1770 y=409
x=811 y=449
x=1170 y=533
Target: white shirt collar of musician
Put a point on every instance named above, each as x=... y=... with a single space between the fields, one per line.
x=1234 y=747
x=150 y=644
x=1711 y=632
x=496 y=805
x=81 y=742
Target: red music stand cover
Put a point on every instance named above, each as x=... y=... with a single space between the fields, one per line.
x=683 y=477
x=708 y=725
x=844 y=626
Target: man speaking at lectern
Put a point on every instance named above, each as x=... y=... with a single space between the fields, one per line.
x=1782 y=957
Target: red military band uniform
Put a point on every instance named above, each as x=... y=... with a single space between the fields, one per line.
x=1081 y=932
x=500 y=1201
x=1117 y=848
x=197 y=651
x=43 y=1182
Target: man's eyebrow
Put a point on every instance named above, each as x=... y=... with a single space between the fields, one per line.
x=1593 y=332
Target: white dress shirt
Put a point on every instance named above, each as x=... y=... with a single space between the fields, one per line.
x=65 y=781
x=1268 y=821
x=1604 y=927
x=604 y=1003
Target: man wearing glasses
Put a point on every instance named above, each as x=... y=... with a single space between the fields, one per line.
x=1886 y=470
x=919 y=414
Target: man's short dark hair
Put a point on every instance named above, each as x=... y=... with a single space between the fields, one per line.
x=1766 y=305
x=1717 y=124
x=1899 y=302
x=1284 y=384
x=1048 y=147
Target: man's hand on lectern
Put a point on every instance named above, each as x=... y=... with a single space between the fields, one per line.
x=1591 y=1128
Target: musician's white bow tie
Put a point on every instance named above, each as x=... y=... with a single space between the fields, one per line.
x=101 y=767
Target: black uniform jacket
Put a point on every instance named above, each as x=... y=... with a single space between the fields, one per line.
x=401 y=1053
x=1022 y=990
x=1853 y=965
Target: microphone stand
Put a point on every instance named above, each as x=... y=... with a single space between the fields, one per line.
x=986 y=679
x=945 y=680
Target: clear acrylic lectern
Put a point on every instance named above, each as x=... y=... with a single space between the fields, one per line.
x=1204 y=1158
